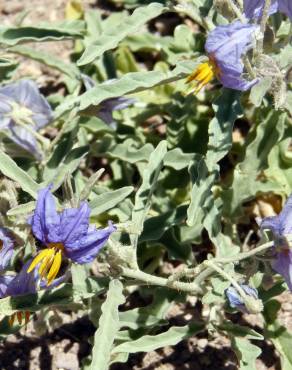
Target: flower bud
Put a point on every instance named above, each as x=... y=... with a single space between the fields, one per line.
x=248 y=304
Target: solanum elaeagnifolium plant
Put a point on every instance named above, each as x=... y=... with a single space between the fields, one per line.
x=164 y=164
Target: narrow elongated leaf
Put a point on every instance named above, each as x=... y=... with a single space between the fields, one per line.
x=43 y=32
x=67 y=68
x=127 y=84
x=171 y=337
x=10 y=169
x=103 y=202
x=61 y=295
x=227 y=108
x=149 y=181
x=108 y=327
x=22 y=209
x=246 y=352
x=110 y=38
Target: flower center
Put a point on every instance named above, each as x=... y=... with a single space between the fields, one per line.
x=203 y=74
x=50 y=260
x=20 y=113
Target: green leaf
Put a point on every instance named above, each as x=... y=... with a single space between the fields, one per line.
x=240 y=331
x=10 y=169
x=149 y=182
x=260 y=142
x=135 y=319
x=129 y=152
x=48 y=59
x=108 y=200
x=259 y=90
x=227 y=108
x=110 y=38
x=70 y=164
x=171 y=337
x=281 y=338
x=60 y=296
x=108 y=327
x=246 y=352
x=22 y=209
x=202 y=182
x=127 y=84
x=178 y=160
x=155 y=227
x=43 y=32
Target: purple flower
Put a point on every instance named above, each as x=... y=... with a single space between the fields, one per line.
x=281 y=227
x=253 y=9
x=108 y=106
x=285 y=6
x=235 y=300
x=226 y=46
x=67 y=233
x=6 y=248
x=23 y=110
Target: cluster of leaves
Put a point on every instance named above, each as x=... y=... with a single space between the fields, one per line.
x=186 y=175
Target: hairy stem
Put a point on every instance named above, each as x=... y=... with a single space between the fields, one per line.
x=265 y=16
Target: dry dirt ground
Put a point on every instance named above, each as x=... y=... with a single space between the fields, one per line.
x=67 y=345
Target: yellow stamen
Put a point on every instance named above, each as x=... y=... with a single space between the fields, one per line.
x=50 y=260
x=46 y=263
x=202 y=75
x=55 y=268
x=38 y=259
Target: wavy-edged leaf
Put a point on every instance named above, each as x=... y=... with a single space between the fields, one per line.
x=10 y=169
x=110 y=38
x=48 y=59
x=43 y=32
x=108 y=327
x=246 y=352
x=149 y=182
x=103 y=202
x=171 y=337
x=127 y=84
x=60 y=296
x=22 y=209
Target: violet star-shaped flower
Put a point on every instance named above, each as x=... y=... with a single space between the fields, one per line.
x=253 y=9
x=67 y=233
x=225 y=46
x=6 y=247
x=281 y=227
x=235 y=299
x=23 y=109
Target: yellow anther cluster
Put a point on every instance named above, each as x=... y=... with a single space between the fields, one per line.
x=202 y=75
x=50 y=260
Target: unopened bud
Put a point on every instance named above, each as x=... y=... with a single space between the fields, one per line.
x=249 y=303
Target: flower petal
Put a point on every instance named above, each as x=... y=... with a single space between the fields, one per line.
x=45 y=221
x=89 y=246
x=74 y=223
x=283 y=265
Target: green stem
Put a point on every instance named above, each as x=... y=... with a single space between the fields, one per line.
x=237 y=11
x=156 y=280
x=244 y=255
x=265 y=16
x=223 y=273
